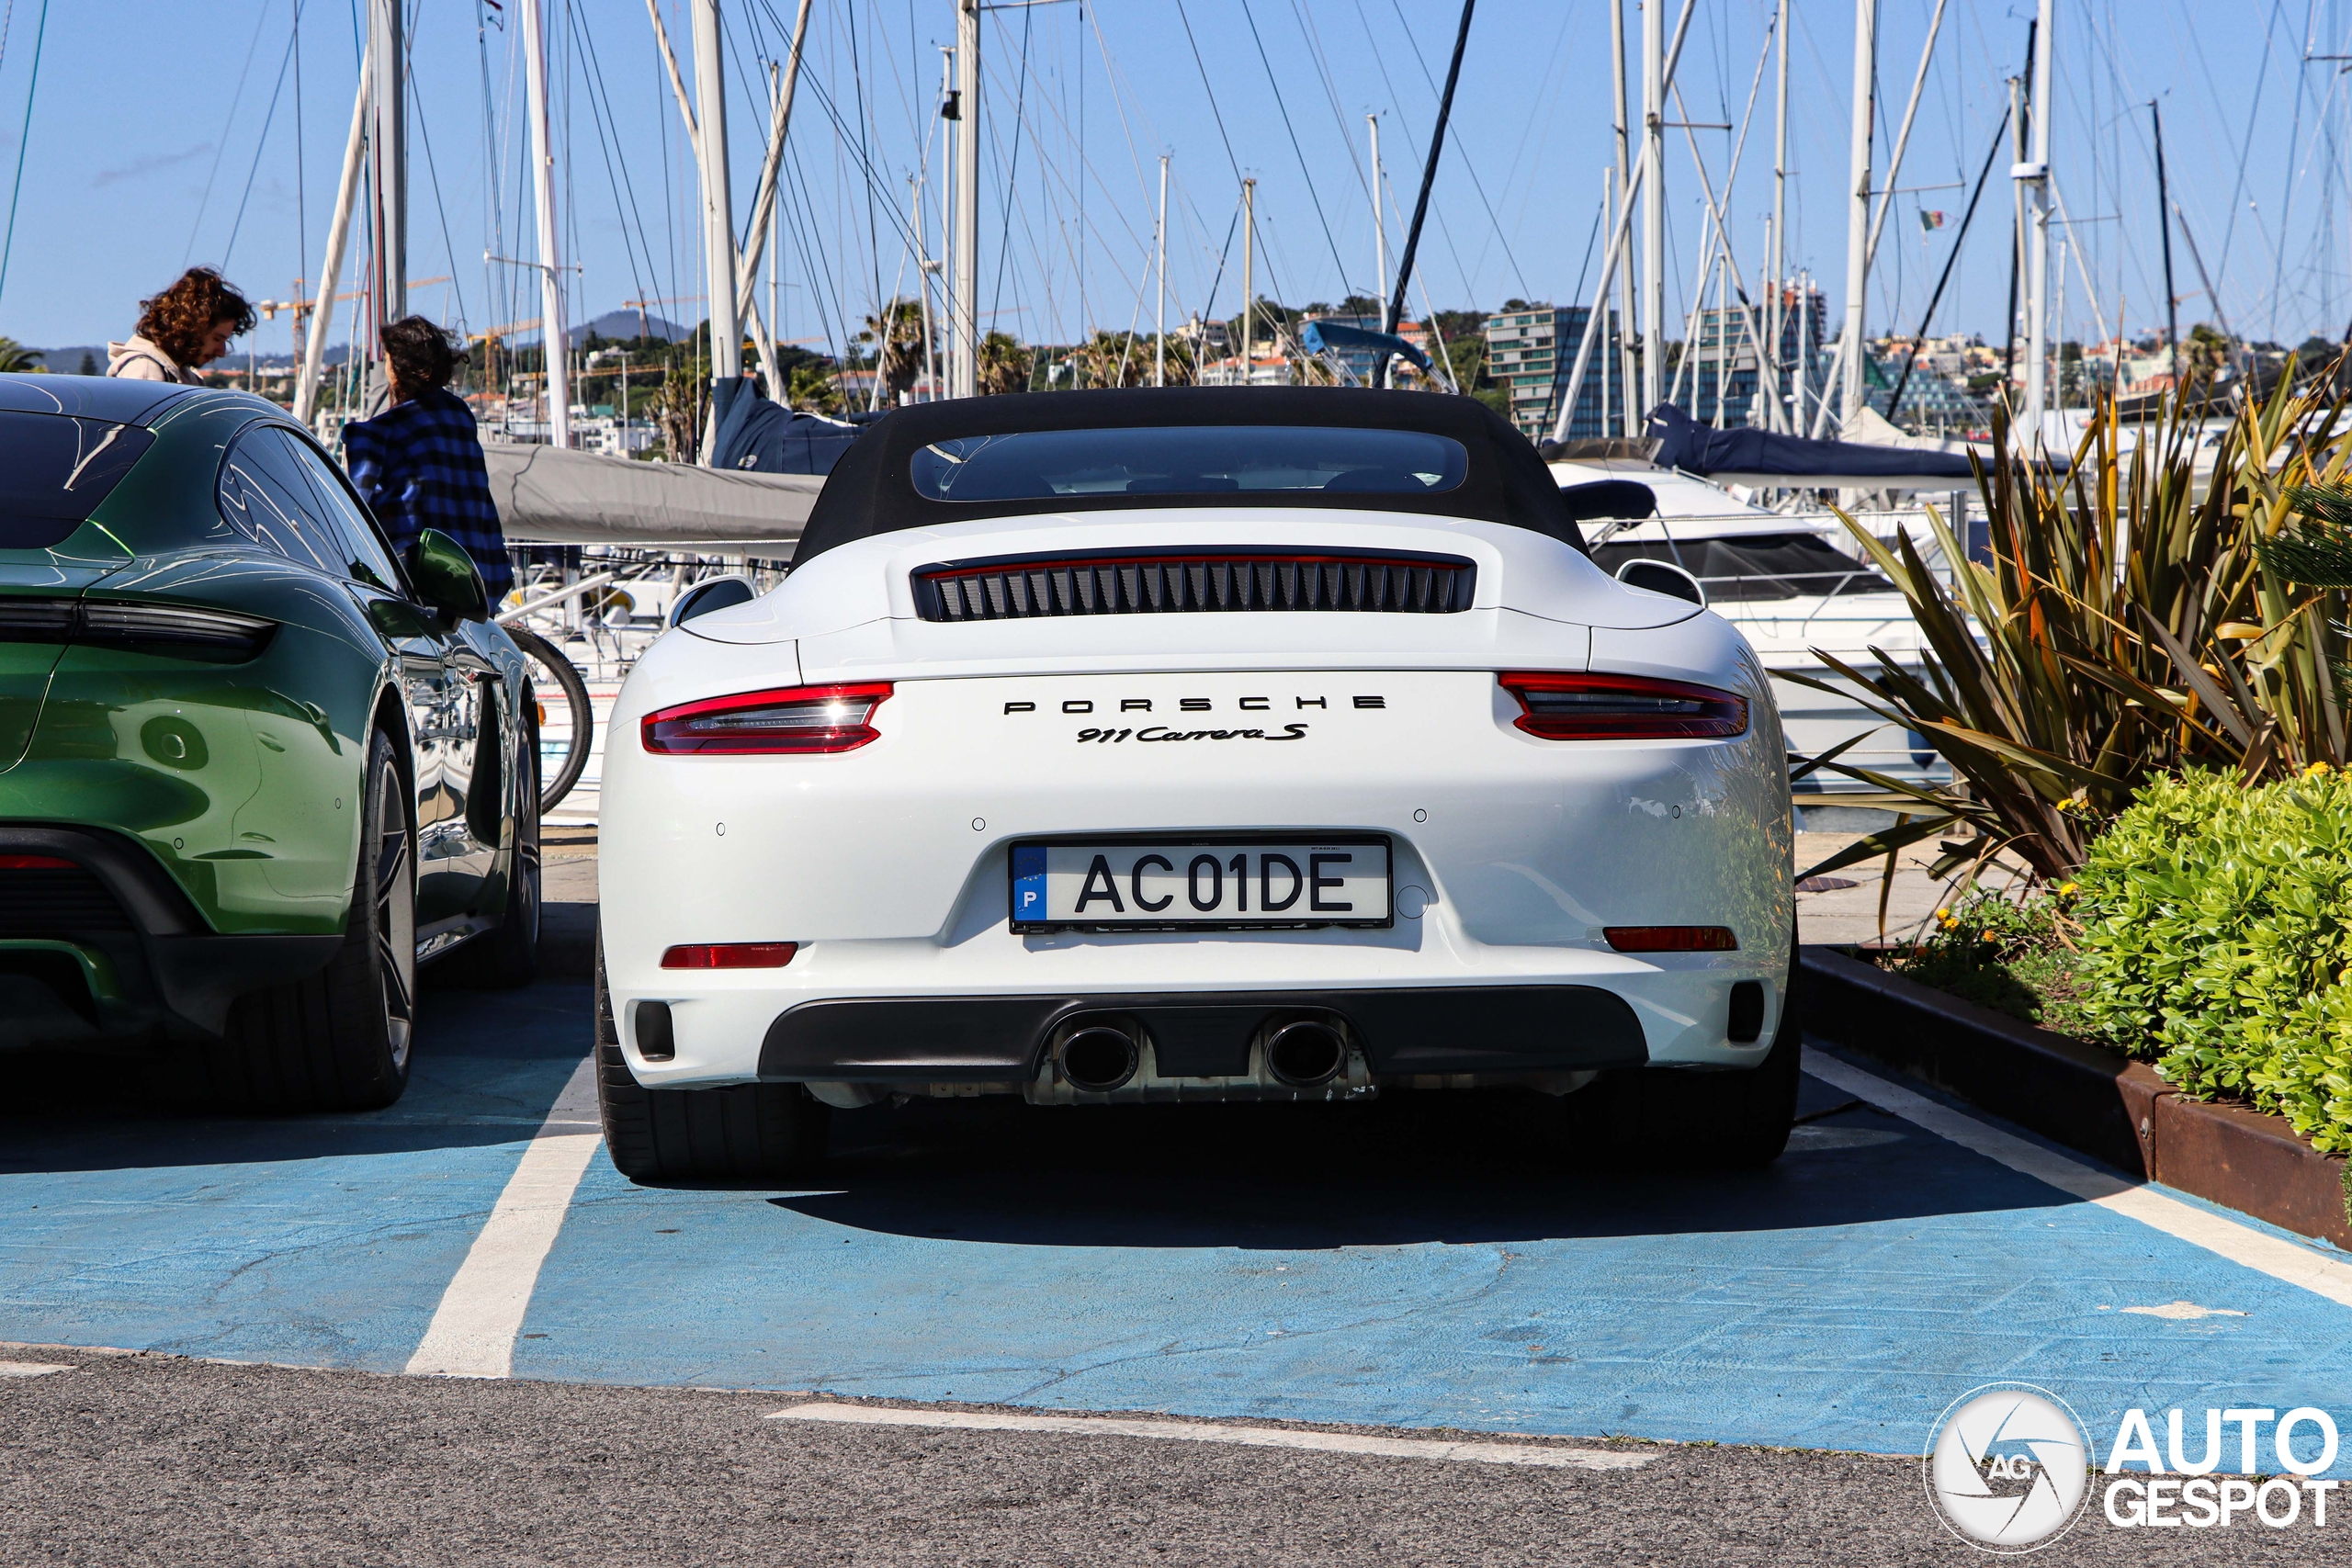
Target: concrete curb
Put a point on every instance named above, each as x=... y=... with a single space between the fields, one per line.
x=2080 y=1094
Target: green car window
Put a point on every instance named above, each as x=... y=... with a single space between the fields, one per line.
x=371 y=558
x=264 y=496
x=54 y=469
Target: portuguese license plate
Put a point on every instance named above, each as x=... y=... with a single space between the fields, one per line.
x=1222 y=883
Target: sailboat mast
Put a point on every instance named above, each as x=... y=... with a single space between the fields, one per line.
x=1768 y=363
x=2163 y=217
x=1653 y=206
x=2036 y=174
x=964 y=379
x=314 y=347
x=718 y=201
x=1249 y=277
x=389 y=165
x=1379 y=229
x=1618 y=218
x=554 y=342
x=1159 y=264
x=1858 y=213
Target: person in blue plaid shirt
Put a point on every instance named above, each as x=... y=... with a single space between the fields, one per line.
x=418 y=464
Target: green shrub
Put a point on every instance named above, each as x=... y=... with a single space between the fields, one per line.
x=2216 y=931
x=2014 y=958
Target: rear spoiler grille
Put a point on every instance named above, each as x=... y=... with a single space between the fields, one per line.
x=1165 y=582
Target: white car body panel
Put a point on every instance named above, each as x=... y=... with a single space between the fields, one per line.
x=889 y=863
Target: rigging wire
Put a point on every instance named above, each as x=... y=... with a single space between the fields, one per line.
x=236 y=101
x=1012 y=179
x=17 y=190
x=1306 y=174
x=302 y=193
x=599 y=114
x=1461 y=158
x=260 y=147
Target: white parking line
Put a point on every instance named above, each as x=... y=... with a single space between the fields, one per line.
x=472 y=1332
x=1544 y=1455
x=2258 y=1250
x=30 y=1369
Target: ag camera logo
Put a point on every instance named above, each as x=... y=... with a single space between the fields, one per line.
x=2007 y=1467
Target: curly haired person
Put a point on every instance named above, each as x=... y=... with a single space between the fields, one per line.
x=419 y=463
x=186 y=326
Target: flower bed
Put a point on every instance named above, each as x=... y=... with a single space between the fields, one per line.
x=2209 y=932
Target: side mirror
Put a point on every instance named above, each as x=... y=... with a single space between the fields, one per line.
x=1662 y=577
x=445 y=578
x=716 y=594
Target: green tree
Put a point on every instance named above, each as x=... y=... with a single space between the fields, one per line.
x=17 y=359
x=1005 y=364
x=898 y=333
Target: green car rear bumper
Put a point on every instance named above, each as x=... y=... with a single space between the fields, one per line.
x=99 y=946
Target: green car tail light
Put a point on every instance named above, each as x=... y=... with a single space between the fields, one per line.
x=183 y=631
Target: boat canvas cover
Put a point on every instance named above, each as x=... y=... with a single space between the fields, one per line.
x=752 y=434
x=549 y=495
x=1751 y=457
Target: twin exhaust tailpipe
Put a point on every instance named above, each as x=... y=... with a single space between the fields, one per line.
x=1102 y=1055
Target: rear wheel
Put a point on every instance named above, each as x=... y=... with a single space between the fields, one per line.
x=744 y=1132
x=1719 y=1120
x=339 y=1040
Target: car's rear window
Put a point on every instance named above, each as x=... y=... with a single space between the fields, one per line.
x=54 y=469
x=1187 y=460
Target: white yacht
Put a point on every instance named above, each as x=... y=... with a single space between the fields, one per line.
x=1785 y=582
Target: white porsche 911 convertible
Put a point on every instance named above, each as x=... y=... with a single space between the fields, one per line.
x=1125 y=747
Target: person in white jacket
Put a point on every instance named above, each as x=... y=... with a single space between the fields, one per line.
x=184 y=328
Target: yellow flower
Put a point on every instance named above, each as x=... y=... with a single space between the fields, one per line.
x=1944 y=914
x=2316 y=769
x=2067 y=889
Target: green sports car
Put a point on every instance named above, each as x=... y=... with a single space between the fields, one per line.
x=254 y=768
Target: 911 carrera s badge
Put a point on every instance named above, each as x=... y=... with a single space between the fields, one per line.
x=1161 y=732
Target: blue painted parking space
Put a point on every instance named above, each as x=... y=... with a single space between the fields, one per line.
x=322 y=1240
x=1404 y=1263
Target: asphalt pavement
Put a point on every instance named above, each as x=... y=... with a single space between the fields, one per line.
x=156 y=1460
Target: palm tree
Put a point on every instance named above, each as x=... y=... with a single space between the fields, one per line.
x=1005 y=364
x=899 y=330
x=17 y=359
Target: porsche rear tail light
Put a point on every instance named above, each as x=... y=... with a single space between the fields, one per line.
x=730 y=956
x=790 y=721
x=1671 y=939
x=35 y=863
x=1559 y=705
x=185 y=631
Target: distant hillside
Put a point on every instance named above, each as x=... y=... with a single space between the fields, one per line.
x=627 y=324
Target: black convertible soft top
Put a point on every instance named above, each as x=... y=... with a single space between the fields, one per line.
x=872 y=490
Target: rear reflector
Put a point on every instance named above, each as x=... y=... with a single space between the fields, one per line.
x=1672 y=939
x=790 y=721
x=730 y=956
x=1559 y=705
x=35 y=863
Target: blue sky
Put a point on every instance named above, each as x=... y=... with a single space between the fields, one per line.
x=164 y=133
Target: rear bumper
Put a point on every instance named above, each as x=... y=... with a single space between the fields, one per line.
x=1447 y=1029
x=128 y=962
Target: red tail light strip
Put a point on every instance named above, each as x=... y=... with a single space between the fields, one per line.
x=35 y=863
x=1671 y=939
x=788 y=721
x=1560 y=706
x=730 y=956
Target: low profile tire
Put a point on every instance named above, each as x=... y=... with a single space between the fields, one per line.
x=743 y=1133
x=341 y=1039
x=508 y=958
x=1734 y=1120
